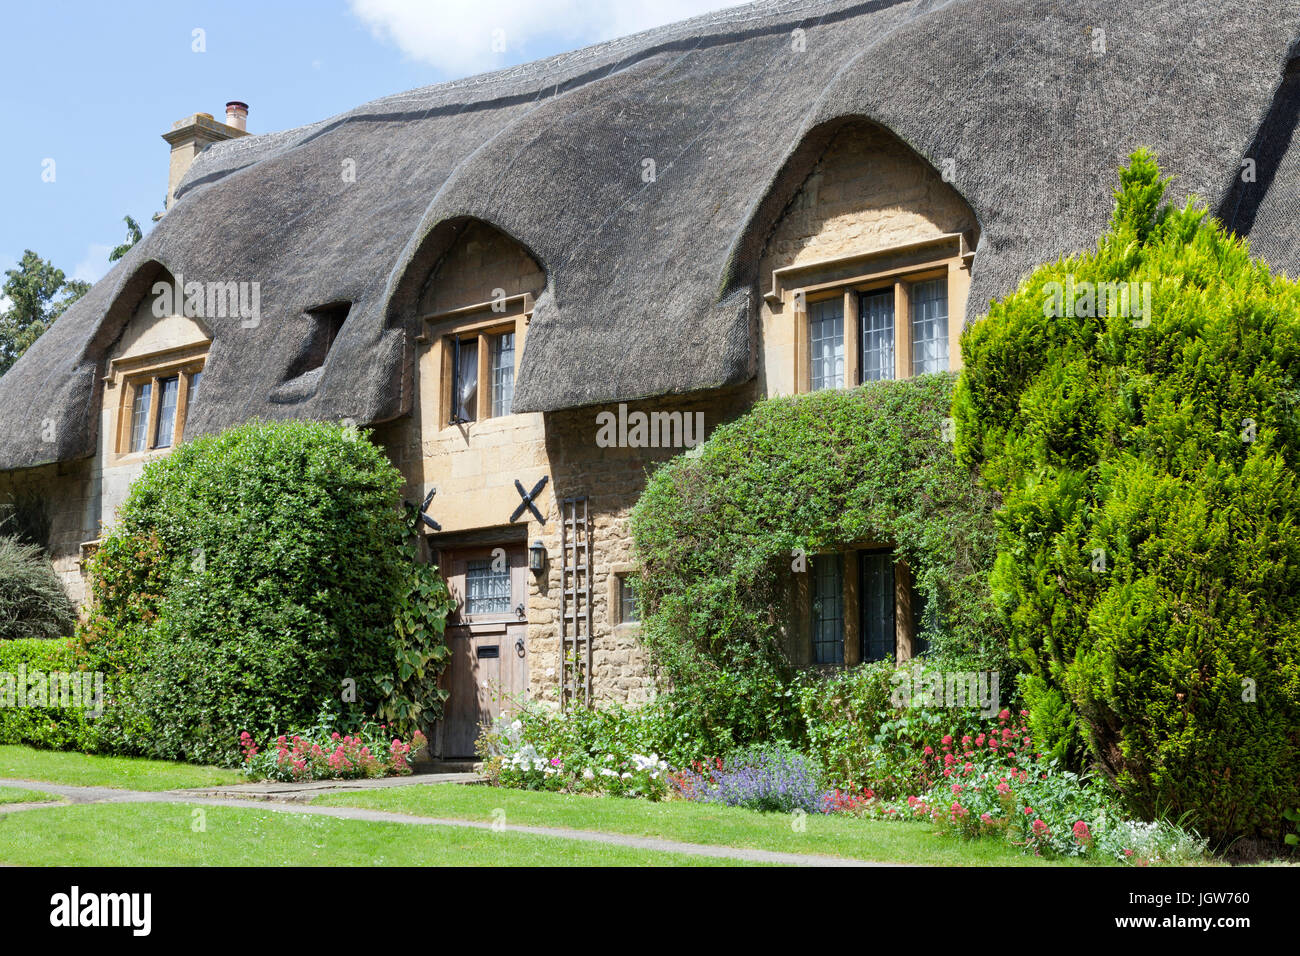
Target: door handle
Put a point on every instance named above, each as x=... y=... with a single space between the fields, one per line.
x=519 y=647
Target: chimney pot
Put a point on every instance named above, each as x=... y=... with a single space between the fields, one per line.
x=237 y=115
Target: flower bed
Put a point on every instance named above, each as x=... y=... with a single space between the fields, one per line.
x=969 y=777
x=761 y=778
x=324 y=754
x=991 y=784
x=587 y=751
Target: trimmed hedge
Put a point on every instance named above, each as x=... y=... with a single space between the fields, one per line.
x=51 y=728
x=1148 y=561
x=253 y=576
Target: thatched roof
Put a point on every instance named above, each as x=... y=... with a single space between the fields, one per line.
x=652 y=285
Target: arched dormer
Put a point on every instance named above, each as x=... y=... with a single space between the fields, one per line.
x=152 y=374
x=473 y=312
x=864 y=273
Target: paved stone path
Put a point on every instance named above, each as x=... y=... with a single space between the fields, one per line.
x=290 y=803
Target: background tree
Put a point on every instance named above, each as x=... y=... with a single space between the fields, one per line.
x=38 y=293
x=133 y=235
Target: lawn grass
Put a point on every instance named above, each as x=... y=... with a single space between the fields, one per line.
x=18 y=795
x=877 y=840
x=162 y=834
x=128 y=773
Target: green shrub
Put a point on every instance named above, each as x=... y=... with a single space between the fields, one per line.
x=49 y=727
x=715 y=533
x=1148 y=563
x=32 y=600
x=251 y=577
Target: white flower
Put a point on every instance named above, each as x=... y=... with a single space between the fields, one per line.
x=627 y=776
x=588 y=775
x=517 y=725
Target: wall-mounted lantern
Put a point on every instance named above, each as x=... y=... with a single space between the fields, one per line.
x=537 y=557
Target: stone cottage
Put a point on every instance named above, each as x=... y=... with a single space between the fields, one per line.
x=534 y=284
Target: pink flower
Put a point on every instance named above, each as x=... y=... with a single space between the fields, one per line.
x=1082 y=833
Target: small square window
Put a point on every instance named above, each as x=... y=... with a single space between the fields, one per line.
x=628 y=612
x=487 y=588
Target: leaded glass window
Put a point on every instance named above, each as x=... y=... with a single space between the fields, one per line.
x=826 y=344
x=487 y=588
x=140 y=417
x=876 y=319
x=828 y=609
x=170 y=391
x=503 y=373
x=930 y=326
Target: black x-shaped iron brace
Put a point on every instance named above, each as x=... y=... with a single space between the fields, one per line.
x=424 y=508
x=529 y=497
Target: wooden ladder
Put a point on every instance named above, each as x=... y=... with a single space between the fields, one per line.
x=575 y=603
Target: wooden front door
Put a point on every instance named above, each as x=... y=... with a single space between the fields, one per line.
x=488 y=672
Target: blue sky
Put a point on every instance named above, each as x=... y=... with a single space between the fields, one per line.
x=93 y=85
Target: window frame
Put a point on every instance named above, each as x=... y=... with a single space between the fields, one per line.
x=862 y=600
x=132 y=375
x=817 y=564
x=852 y=289
x=478 y=323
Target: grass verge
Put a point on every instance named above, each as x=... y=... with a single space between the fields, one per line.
x=163 y=834
x=18 y=795
x=128 y=773
x=876 y=840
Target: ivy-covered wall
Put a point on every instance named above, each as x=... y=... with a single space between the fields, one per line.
x=719 y=534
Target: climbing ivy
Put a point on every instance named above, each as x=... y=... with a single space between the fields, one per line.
x=717 y=532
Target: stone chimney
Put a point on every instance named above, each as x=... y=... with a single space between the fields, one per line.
x=190 y=136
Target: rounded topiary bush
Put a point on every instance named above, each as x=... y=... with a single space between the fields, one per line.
x=1148 y=554
x=251 y=577
x=32 y=600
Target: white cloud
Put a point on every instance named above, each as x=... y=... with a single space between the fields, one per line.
x=464 y=37
x=93 y=264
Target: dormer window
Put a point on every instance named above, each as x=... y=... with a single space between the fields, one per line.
x=853 y=335
x=157 y=393
x=140 y=406
x=169 y=392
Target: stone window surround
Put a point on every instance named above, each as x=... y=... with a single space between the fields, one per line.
x=614 y=599
x=850 y=276
x=128 y=374
x=481 y=321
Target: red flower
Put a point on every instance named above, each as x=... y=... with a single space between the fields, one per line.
x=1081 y=833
